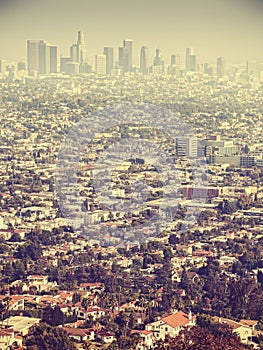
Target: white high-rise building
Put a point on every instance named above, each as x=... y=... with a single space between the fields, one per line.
x=100 y=62
x=127 y=55
x=44 y=57
x=144 y=60
x=220 y=67
x=189 y=52
x=109 y=53
x=54 y=62
x=33 y=56
x=83 y=52
x=41 y=57
x=74 y=53
x=187 y=146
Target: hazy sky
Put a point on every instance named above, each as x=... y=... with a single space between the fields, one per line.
x=229 y=28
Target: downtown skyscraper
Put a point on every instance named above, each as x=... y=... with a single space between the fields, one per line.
x=144 y=60
x=42 y=58
x=82 y=48
x=109 y=53
x=190 y=59
x=78 y=60
x=101 y=64
x=78 y=51
x=33 y=56
x=220 y=67
x=127 y=56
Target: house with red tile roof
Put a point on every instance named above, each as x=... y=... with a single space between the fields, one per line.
x=8 y=338
x=171 y=324
x=146 y=339
x=79 y=334
x=251 y=323
x=92 y=287
x=105 y=336
x=40 y=282
x=16 y=302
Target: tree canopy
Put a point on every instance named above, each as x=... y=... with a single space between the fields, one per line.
x=45 y=337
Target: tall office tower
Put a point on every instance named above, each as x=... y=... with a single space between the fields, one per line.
x=63 y=62
x=83 y=54
x=120 y=58
x=144 y=60
x=192 y=63
x=72 y=68
x=127 y=55
x=189 y=52
x=53 y=59
x=74 y=53
x=100 y=63
x=33 y=56
x=220 y=67
x=187 y=146
x=44 y=57
x=2 y=68
x=21 y=66
x=157 y=59
x=41 y=57
x=109 y=53
x=175 y=61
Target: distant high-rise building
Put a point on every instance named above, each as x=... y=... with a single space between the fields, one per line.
x=78 y=54
x=206 y=68
x=187 y=146
x=72 y=68
x=41 y=57
x=33 y=56
x=127 y=55
x=144 y=60
x=192 y=63
x=220 y=67
x=109 y=53
x=74 y=53
x=63 y=62
x=189 y=52
x=2 y=68
x=120 y=58
x=82 y=47
x=100 y=62
x=53 y=59
x=44 y=57
x=157 y=59
x=175 y=61
x=21 y=66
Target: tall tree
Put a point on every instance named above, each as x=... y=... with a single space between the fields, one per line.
x=197 y=338
x=45 y=337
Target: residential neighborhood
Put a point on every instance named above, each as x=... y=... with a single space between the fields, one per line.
x=201 y=270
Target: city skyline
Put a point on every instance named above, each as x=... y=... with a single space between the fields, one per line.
x=231 y=29
x=44 y=58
